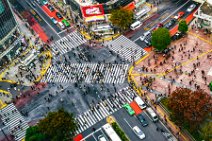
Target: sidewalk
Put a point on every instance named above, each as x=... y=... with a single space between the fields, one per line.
x=17 y=72
x=163 y=115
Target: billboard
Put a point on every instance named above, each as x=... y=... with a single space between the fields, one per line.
x=94 y=10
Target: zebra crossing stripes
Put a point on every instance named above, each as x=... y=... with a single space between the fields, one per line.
x=126 y=48
x=87 y=72
x=67 y=43
x=104 y=108
x=11 y=118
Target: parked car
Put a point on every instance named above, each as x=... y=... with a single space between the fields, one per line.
x=45 y=1
x=51 y=8
x=142 y=120
x=101 y=138
x=61 y=25
x=170 y=23
x=177 y=36
x=54 y=20
x=129 y=109
x=65 y=22
x=179 y=15
x=191 y=8
x=138 y=132
x=59 y=15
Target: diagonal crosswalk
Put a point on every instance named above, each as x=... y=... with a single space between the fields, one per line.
x=67 y=43
x=104 y=108
x=126 y=48
x=86 y=72
x=13 y=119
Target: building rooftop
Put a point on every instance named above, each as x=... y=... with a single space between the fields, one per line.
x=206 y=8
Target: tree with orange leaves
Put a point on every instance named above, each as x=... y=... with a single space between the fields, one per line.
x=189 y=107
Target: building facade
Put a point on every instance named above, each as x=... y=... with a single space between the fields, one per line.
x=10 y=38
x=204 y=15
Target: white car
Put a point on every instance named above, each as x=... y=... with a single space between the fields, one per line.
x=101 y=138
x=145 y=35
x=191 y=8
x=53 y=20
x=138 y=132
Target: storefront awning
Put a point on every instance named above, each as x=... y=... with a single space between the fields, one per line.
x=94 y=18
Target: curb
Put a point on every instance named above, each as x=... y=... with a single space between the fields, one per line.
x=88 y=37
x=2 y=104
x=44 y=68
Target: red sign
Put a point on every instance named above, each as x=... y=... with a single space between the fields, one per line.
x=94 y=10
x=130 y=6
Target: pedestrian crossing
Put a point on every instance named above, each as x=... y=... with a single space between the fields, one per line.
x=12 y=118
x=67 y=43
x=104 y=108
x=86 y=72
x=126 y=48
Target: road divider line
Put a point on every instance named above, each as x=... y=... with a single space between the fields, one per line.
x=43 y=17
x=167 y=17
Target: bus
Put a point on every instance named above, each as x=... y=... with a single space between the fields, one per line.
x=141 y=13
x=109 y=131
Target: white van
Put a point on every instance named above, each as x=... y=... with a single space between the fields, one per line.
x=135 y=25
x=152 y=114
x=140 y=102
x=61 y=25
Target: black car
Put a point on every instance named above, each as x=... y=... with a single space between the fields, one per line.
x=51 y=8
x=59 y=15
x=170 y=23
x=142 y=120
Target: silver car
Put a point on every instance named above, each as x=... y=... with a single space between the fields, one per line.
x=191 y=8
x=138 y=132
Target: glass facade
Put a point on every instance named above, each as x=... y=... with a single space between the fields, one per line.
x=7 y=20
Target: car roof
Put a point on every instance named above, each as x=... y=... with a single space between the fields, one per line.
x=136 y=128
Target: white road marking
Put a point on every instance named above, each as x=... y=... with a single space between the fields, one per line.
x=43 y=17
x=165 y=18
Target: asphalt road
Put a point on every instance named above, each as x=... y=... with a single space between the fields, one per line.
x=164 y=15
x=46 y=23
x=127 y=122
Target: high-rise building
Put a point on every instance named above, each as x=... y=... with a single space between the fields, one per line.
x=10 y=38
x=7 y=20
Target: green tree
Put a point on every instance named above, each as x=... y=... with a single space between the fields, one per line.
x=160 y=39
x=183 y=27
x=206 y=131
x=58 y=125
x=33 y=134
x=189 y=107
x=121 y=18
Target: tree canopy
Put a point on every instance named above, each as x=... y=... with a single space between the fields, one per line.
x=183 y=27
x=121 y=18
x=206 y=131
x=33 y=134
x=161 y=39
x=58 y=125
x=190 y=107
